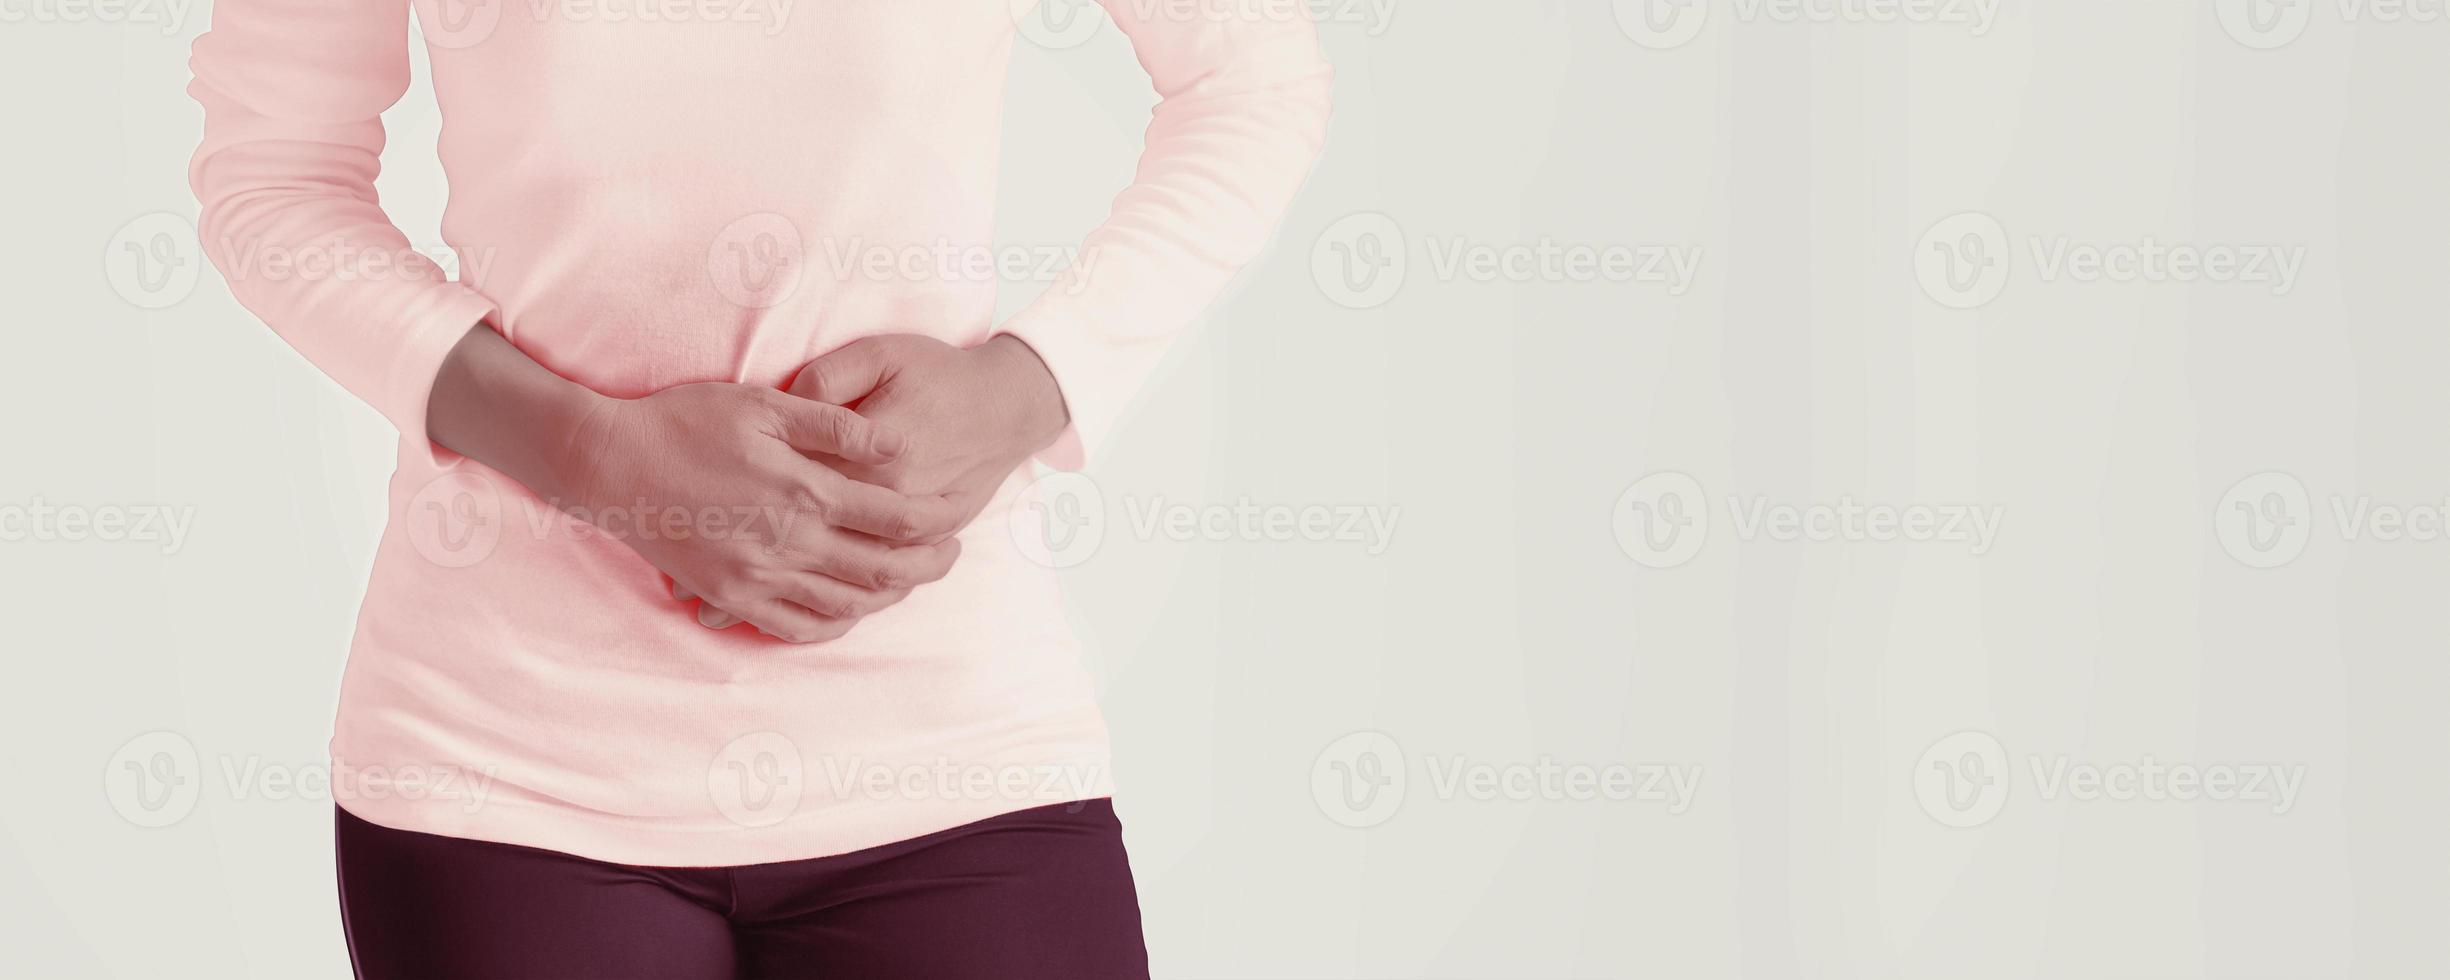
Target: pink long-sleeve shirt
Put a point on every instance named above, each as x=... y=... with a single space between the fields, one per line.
x=647 y=202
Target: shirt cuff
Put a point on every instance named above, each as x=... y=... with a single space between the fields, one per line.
x=1093 y=376
x=431 y=331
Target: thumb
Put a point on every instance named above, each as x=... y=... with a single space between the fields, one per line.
x=844 y=376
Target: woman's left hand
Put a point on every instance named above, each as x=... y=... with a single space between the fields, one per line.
x=969 y=415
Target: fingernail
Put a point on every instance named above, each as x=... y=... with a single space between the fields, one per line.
x=890 y=443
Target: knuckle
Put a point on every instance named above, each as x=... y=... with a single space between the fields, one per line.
x=841 y=426
x=811 y=380
x=776 y=410
x=830 y=604
x=810 y=499
x=904 y=525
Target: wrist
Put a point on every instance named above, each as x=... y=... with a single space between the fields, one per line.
x=493 y=404
x=564 y=437
x=1037 y=405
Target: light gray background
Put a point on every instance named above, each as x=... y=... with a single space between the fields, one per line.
x=1514 y=617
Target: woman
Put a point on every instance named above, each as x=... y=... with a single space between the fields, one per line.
x=869 y=751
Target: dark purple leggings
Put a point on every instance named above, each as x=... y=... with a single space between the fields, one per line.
x=1037 y=893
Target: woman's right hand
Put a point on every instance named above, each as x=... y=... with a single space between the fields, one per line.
x=707 y=482
x=710 y=483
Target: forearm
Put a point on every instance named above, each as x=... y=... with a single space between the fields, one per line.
x=494 y=404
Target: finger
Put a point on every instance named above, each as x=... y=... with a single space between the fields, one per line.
x=879 y=567
x=716 y=619
x=848 y=503
x=966 y=501
x=844 y=376
x=832 y=430
x=791 y=623
x=708 y=616
x=835 y=599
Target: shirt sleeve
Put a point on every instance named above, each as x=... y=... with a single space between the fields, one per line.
x=293 y=92
x=1243 y=110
